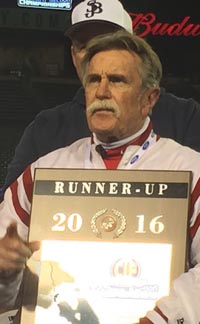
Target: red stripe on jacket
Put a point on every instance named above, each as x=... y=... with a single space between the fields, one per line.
x=194 y=197
x=28 y=186
x=28 y=183
x=145 y=320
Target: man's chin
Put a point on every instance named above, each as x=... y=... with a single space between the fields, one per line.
x=98 y=129
x=103 y=120
x=105 y=135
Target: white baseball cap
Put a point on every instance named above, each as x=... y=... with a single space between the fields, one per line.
x=99 y=12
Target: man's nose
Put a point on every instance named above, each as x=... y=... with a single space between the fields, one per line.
x=103 y=89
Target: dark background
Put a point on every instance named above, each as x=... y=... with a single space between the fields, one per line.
x=36 y=70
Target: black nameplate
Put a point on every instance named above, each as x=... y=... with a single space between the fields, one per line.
x=111 y=189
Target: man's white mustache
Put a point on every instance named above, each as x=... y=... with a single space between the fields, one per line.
x=110 y=105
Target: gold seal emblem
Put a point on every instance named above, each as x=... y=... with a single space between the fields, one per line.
x=108 y=221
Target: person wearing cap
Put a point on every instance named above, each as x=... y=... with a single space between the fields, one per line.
x=57 y=127
x=121 y=75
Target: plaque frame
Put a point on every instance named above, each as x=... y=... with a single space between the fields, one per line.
x=136 y=209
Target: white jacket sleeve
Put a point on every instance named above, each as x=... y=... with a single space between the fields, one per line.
x=183 y=303
x=14 y=208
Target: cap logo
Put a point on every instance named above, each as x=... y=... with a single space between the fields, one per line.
x=95 y=8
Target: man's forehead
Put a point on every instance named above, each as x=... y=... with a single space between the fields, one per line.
x=113 y=62
x=114 y=58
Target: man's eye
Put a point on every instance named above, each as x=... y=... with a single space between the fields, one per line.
x=116 y=79
x=93 y=79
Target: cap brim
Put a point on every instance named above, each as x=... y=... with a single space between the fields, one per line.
x=84 y=30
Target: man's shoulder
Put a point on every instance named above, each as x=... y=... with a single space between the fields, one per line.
x=170 y=101
x=54 y=128
x=177 y=118
x=178 y=151
x=72 y=107
x=67 y=156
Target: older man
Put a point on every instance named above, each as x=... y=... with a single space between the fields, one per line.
x=121 y=76
x=173 y=117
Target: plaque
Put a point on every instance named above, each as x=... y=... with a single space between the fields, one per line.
x=111 y=244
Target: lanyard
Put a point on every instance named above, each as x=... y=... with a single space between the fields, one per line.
x=152 y=138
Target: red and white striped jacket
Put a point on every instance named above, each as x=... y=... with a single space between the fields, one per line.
x=182 y=304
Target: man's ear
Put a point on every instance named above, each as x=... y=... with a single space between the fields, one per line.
x=149 y=100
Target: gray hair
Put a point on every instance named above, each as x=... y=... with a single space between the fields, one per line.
x=150 y=69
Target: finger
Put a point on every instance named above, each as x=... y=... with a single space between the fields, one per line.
x=12 y=230
x=15 y=243
x=12 y=261
x=14 y=248
x=11 y=266
x=34 y=246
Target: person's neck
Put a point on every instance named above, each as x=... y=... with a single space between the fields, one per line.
x=123 y=141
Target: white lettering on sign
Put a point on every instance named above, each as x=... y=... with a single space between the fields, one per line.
x=33 y=19
x=107 y=188
x=74 y=223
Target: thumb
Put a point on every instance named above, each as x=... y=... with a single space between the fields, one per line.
x=12 y=233
x=12 y=230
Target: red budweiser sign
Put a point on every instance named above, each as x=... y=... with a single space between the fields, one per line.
x=145 y=24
